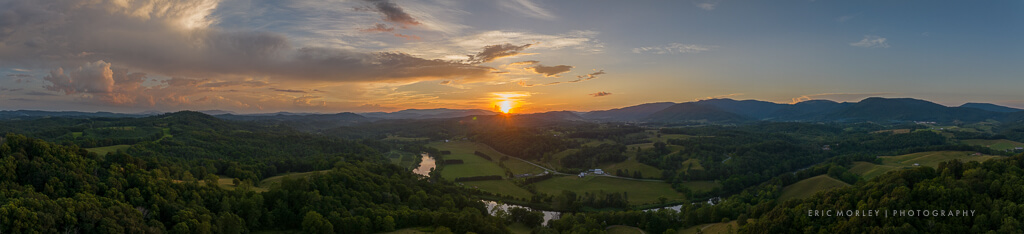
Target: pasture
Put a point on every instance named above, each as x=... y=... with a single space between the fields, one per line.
x=108 y=149
x=473 y=165
x=810 y=186
x=999 y=144
x=639 y=192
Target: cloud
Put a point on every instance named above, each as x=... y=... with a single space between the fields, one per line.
x=393 y=13
x=674 y=48
x=19 y=75
x=707 y=5
x=21 y=99
x=309 y=101
x=410 y=37
x=845 y=18
x=378 y=28
x=492 y=52
x=528 y=8
x=871 y=41
x=580 y=40
x=550 y=71
x=579 y=78
x=839 y=97
x=289 y=90
x=174 y=39
x=600 y=94
x=527 y=62
x=94 y=77
x=37 y=93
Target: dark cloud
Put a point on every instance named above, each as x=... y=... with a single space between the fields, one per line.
x=168 y=43
x=288 y=90
x=393 y=13
x=378 y=28
x=600 y=94
x=19 y=75
x=550 y=71
x=492 y=52
x=22 y=99
x=37 y=93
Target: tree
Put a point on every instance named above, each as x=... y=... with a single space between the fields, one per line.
x=316 y=223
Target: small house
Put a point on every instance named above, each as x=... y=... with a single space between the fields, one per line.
x=599 y=171
x=582 y=174
x=917 y=164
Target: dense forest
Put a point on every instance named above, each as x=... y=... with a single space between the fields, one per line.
x=171 y=186
x=163 y=177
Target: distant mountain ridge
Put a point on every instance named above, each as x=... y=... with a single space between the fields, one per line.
x=874 y=109
x=991 y=107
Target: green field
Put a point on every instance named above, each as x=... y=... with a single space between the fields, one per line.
x=619 y=229
x=556 y=159
x=702 y=185
x=503 y=187
x=472 y=165
x=930 y=159
x=870 y=170
x=519 y=167
x=1000 y=144
x=108 y=149
x=76 y=135
x=647 y=171
x=692 y=164
x=639 y=192
x=398 y=138
x=228 y=183
x=810 y=186
x=276 y=180
x=714 y=228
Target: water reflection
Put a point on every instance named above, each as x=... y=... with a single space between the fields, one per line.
x=494 y=206
x=426 y=163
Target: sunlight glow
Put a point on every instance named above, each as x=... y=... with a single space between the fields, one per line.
x=506 y=101
x=505 y=106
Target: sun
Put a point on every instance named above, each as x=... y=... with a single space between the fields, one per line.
x=505 y=106
x=506 y=101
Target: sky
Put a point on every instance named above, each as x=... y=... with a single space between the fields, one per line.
x=521 y=55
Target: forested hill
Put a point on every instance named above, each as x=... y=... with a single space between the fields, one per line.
x=49 y=188
x=992 y=189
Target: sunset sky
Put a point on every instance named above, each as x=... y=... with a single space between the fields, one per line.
x=378 y=55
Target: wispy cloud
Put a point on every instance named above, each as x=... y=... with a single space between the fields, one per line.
x=528 y=8
x=674 y=48
x=579 y=78
x=707 y=5
x=871 y=41
x=600 y=94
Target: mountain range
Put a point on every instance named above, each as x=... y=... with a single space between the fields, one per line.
x=873 y=109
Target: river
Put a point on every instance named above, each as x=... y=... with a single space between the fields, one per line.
x=426 y=164
x=493 y=206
